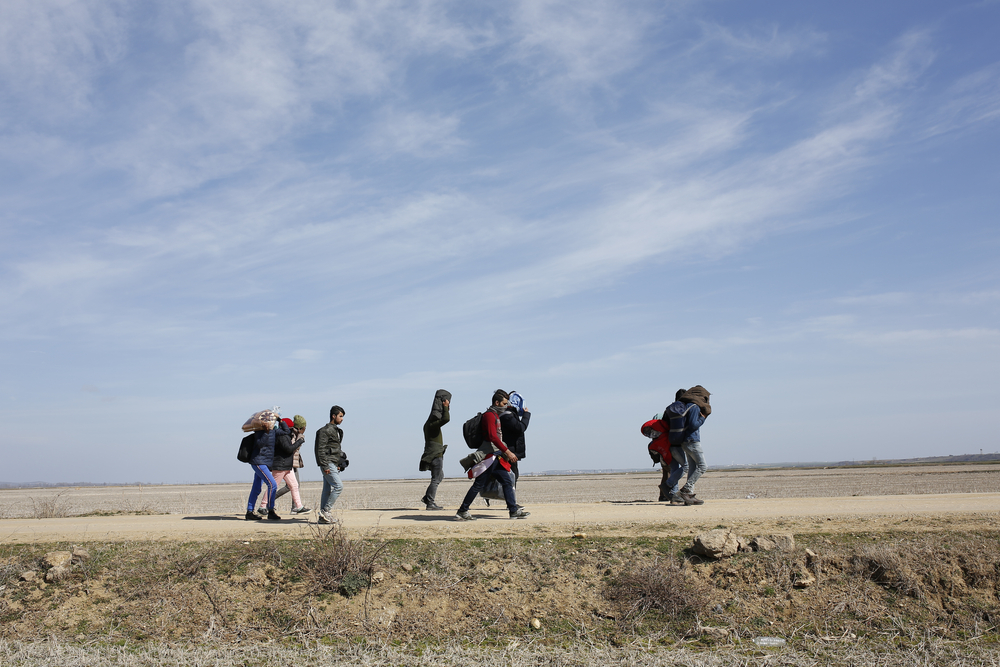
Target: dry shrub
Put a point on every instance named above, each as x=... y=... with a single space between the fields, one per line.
x=662 y=585
x=883 y=564
x=51 y=507
x=334 y=562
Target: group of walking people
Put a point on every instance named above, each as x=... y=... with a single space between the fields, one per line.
x=497 y=437
x=274 y=452
x=676 y=444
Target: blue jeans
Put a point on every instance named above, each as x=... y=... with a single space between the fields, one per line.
x=261 y=476
x=506 y=481
x=695 y=463
x=332 y=487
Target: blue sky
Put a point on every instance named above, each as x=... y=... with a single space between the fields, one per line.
x=209 y=208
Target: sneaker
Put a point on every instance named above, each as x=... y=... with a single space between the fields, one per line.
x=676 y=501
x=262 y=511
x=463 y=515
x=689 y=498
x=324 y=517
x=272 y=516
x=302 y=509
x=519 y=513
x=252 y=517
x=434 y=506
x=665 y=498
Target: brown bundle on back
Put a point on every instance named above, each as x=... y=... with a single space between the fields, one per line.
x=699 y=396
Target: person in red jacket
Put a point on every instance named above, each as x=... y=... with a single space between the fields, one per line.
x=502 y=458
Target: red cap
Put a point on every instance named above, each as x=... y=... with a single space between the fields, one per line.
x=288 y=422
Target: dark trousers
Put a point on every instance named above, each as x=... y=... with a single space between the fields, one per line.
x=437 y=474
x=496 y=471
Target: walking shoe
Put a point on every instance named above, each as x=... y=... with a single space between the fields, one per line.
x=689 y=498
x=262 y=511
x=272 y=516
x=463 y=515
x=324 y=517
x=676 y=501
x=434 y=506
x=252 y=517
x=519 y=513
x=301 y=509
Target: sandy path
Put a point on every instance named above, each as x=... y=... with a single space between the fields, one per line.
x=973 y=511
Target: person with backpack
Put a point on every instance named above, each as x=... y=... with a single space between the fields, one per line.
x=513 y=422
x=434 y=447
x=491 y=436
x=261 y=459
x=329 y=458
x=286 y=449
x=686 y=416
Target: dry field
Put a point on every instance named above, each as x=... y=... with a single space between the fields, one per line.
x=906 y=563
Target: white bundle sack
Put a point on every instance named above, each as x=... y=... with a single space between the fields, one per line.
x=261 y=421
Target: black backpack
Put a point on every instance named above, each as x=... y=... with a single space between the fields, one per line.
x=472 y=431
x=246 y=446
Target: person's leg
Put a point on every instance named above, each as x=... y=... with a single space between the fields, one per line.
x=664 y=486
x=696 y=464
x=477 y=486
x=507 y=484
x=258 y=479
x=279 y=477
x=293 y=484
x=437 y=475
x=678 y=468
x=272 y=487
x=332 y=487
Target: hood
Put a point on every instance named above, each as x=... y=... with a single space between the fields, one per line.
x=437 y=408
x=699 y=396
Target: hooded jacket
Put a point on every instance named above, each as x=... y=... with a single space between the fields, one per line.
x=434 y=446
x=263 y=445
x=685 y=415
x=512 y=428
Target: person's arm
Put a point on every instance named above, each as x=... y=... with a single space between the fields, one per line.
x=491 y=434
x=525 y=418
x=695 y=418
x=438 y=423
x=321 y=454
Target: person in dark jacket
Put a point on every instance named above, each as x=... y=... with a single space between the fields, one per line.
x=298 y=439
x=500 y=468
x=434 y=447
x=513 y=422
x=328 y=454
x=285 y=449
x=686 y=416
x=261 y=459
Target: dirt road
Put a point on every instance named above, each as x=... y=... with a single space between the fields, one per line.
x=979 y=511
